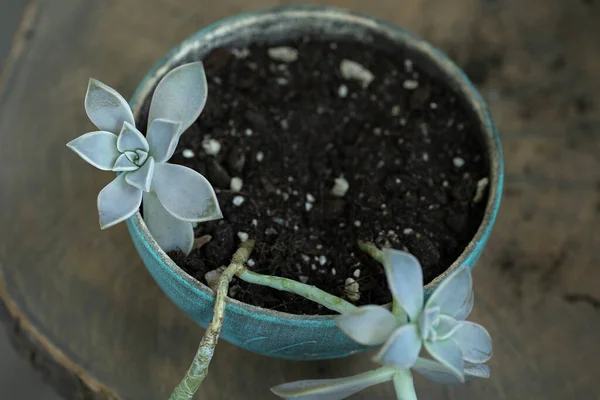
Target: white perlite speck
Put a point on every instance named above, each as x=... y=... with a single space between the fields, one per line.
x=343 y=91
x=322 y=260
x=236 y=184
x=425 y=157
x=260 y=156
x=408 y=65
x=356 y=273
x=211 y=146
x=240 y=53
x=396 y=111
x=248 y=132
x=305 y=258
x=410 y=84
x=308 y=206
x=254 y=222
x=407 y=231
x=333 y=271
x=354 y=71
x=352 y=290
x=310 y=198
x=481 y=185
x=243 y=236
x=283 y=53
x=282 y=81
x=250 y=263
x=433 y=105
x=458 y=162
x=187 y=153
x=313 y=267
x=303 y=278
x=357 y=223
x=340 y=187
x=212 y=277
x=238 y=201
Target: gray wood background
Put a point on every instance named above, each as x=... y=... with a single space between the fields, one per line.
x=80 y=306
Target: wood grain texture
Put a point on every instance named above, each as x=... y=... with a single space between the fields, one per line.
x=81 y=306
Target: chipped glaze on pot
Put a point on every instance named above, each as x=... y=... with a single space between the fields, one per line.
x=274 y=333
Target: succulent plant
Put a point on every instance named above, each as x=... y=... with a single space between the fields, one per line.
x=174 y=196
x=459 y=348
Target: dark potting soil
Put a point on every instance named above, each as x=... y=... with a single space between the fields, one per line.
x=405 y=143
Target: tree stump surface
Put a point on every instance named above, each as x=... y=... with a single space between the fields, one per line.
x=80 y=306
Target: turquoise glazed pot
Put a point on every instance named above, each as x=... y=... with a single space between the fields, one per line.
x=268 y=332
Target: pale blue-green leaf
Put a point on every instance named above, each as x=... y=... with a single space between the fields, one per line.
x=180 y=95
x=124 y=163
x=332 y=389
x=142 y=156
x=185 y=193
x=446 y=327
x=474 y=342
x=448 y=353
x=405 y=279
x=169 y=232
x=435 y=371
x=142 y=178
x=117 y=202
x=426 y=321
x=453 y=293
x=402 y=348
x=106 y=108
x=465 y=310
x=368 y=325
x=131 y=155
x=476 y=371
x=130 y=139
x=97 y=148
x=163 y=136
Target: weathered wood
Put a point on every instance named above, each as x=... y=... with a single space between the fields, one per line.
x=81 y=306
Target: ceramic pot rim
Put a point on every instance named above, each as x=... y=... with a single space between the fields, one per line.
x=137 y=225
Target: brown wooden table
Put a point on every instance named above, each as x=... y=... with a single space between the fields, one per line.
x=80 y=305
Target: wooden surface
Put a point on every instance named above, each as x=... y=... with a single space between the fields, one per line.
x=80 y=305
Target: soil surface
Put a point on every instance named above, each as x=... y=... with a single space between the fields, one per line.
x=404 y=142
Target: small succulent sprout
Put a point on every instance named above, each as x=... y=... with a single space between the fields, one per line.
x=174 y=196
x=437 y=324
x=351 y=70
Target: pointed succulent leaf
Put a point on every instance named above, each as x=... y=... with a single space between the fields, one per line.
x=97 y=148
x=447 y=353
x=368 y=325
x=163 y=136
x=402 y=348
x=427 y=319
x=331 y=389
x=405 y=279
x=106 y=108
x=117 y=202
x=453 y=294
x=476 y=371
x=142 y=156
x=169 y=232
x=474 y=341
x=435 y=371
x=180 y=95
x=446 y=327
x=466 y=309
x=124 y=163
x=185 y=193
x=142 y=178
x=130 y=139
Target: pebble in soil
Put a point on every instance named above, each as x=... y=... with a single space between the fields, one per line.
x=402 y=141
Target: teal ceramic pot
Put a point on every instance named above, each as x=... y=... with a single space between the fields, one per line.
x=273 y=333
